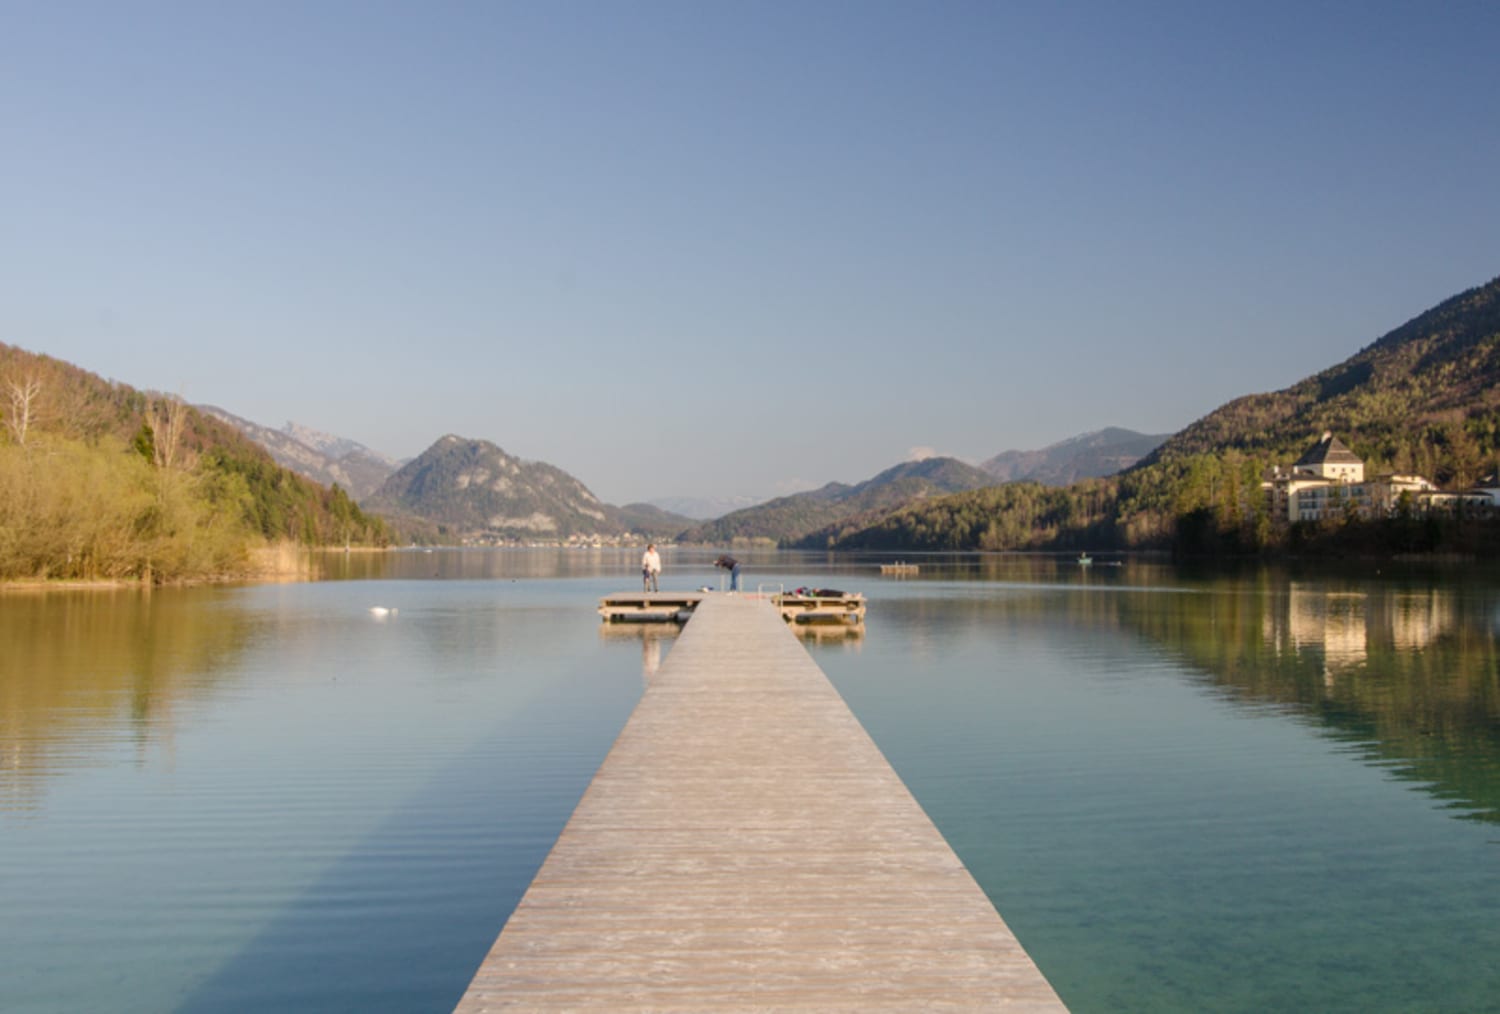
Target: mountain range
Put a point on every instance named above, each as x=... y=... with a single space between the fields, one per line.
x=1423 y=399
x=473 y=488
x=790 y=517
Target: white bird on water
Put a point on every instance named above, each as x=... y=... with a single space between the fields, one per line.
x=381 y=612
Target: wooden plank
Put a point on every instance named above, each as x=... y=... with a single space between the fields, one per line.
x=745 y=846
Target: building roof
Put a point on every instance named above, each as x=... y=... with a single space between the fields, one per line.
x=1329 y=451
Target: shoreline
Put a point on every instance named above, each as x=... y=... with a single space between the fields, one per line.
x=69 y=584
x=272 y=565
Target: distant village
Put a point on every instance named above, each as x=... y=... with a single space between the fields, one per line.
x=1329 y=482
x=495 y=540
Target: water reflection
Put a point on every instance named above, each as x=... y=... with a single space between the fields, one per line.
x=1333 y=622
x=73 y=662
x=1342 y=624
x=656 y=640
x=343 y=787
x=1410 y=674
x=850 y=636
x=1405 y=671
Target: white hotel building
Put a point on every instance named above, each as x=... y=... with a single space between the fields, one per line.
x=1329 y=480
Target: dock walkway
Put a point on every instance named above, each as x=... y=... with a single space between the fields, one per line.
x=745 y=846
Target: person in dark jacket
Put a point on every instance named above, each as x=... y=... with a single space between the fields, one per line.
x=732 y=565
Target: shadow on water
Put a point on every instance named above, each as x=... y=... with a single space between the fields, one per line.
x=401 y=922
x=454 y=860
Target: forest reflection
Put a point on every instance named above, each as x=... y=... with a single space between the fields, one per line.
x=78 y=667
x=1406 y=673
x=1409 y=674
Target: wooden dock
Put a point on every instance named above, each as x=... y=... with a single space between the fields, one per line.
x=802 y=607
x=745 y=846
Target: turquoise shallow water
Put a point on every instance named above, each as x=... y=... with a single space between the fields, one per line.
x=1183 y=792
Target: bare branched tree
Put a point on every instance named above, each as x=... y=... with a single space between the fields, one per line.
x=167 y=416
x=22 y=395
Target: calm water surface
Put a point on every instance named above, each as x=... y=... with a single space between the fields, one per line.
x=1183 y=792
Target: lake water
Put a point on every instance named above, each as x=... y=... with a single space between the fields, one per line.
x=1268 y=790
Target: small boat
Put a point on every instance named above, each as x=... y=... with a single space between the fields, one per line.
x=1084 y=559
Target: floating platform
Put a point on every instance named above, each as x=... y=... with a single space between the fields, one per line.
x=649 y=607
x=746 y=847
x=899 y=569
x=821 y=607
x=801 y=607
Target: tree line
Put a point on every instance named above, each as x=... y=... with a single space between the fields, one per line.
x=101 y=481
x=1193 y=505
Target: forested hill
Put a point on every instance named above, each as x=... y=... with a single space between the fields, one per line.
x=787 y=519
x=1424 y=399
x=100 y=480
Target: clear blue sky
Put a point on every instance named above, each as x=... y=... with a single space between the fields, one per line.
x=710 y=248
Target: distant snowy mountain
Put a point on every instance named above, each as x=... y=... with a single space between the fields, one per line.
x=318 y=456
x=332 y=446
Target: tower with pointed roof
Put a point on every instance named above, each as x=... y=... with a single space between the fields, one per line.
x=1330 y=459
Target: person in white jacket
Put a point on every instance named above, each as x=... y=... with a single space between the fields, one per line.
x=650 y=569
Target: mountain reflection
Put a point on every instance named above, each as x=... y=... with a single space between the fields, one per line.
x=76 y=668
x=1407 y=674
